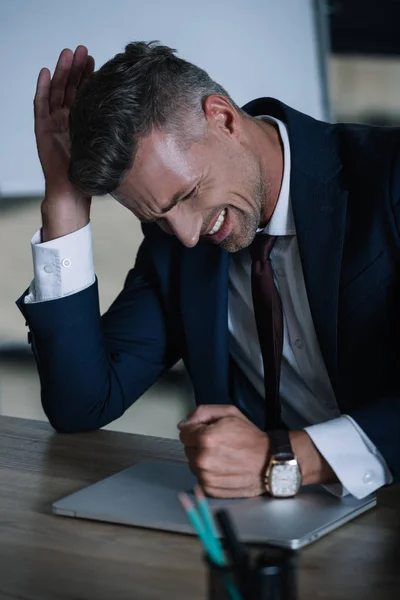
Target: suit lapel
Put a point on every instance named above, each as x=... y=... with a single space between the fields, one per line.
x=319 y=203
x=204 y=302
x=320 y=213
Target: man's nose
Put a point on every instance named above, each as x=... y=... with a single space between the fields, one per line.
x=185 y=224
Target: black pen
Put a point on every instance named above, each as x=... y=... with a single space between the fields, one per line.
x=237 y=552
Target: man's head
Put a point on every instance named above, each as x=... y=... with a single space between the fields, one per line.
x=171 y=145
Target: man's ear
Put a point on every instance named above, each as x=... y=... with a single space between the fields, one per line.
x=220 y=112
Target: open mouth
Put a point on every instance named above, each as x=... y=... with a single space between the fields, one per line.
x=219 y=222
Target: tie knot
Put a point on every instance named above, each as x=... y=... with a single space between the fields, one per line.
x=261 y=246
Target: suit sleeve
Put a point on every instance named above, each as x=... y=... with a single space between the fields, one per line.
x=93 y=368
x=380 y=420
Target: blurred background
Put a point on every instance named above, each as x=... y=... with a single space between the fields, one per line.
x=336 y=60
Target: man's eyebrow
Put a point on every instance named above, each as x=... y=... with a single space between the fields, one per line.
x=175 y=199
x=183 y=193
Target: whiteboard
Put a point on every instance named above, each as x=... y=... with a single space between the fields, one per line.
x=254 y=48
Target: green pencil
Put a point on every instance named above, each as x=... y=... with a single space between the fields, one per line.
x=198 y=526
x=211 y=543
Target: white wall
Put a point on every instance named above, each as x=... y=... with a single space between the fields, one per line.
x=254 y=48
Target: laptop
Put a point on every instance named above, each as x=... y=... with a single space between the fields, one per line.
x=146 y=495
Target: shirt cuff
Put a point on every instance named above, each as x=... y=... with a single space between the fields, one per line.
x=355 y=460
x=62 y=266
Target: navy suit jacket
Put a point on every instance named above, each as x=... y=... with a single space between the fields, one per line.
x=345 y=194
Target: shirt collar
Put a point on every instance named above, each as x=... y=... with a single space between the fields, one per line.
x=281 y=221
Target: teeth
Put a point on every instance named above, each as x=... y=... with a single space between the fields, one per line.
x=219 y=222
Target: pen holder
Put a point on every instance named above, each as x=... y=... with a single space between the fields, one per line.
x=216 y=581
x=272 y=575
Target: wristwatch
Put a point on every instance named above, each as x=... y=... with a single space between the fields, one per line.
x=283 y=475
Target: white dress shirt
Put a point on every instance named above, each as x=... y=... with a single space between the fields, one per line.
x=65 y=266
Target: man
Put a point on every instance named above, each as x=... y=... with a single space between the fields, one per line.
x=278 y=286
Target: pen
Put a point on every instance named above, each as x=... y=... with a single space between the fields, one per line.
x=207 y=534
x=237 y=552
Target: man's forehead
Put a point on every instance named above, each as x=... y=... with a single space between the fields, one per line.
x=161 y=168
x=162 y=152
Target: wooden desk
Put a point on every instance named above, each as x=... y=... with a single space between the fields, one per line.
x=44 y=557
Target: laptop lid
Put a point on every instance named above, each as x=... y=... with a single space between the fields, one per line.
x=146 y=495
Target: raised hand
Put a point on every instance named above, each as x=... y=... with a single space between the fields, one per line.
x=64 y=209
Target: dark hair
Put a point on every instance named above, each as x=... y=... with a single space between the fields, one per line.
x=145 y=87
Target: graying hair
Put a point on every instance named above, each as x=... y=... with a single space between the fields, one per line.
x=144 y=88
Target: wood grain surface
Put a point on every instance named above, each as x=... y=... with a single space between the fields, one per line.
x=44 y=557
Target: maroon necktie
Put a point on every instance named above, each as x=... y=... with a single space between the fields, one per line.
x=269 y=320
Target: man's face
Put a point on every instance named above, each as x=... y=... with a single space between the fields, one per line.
x=215 y=190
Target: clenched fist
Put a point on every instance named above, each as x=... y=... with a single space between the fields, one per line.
x=226 y=452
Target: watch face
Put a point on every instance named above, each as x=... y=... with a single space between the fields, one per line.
x=285 y=479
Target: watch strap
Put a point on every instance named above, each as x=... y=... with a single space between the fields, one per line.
x=280 y=448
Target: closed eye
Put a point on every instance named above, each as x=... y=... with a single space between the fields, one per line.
x=175 y=201
x=191 y=194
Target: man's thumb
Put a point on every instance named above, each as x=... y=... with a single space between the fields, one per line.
x=209 y=413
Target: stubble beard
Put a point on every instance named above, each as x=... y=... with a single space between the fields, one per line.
x=248 y=222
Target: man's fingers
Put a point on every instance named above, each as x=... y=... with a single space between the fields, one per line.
x=191 y=454
x=189 y=436
x=41 y=100
x=217 y=492
x=208 y=413
x=78 y=66
x=60 y=78
x=227 y=485
x=222 y=484
x=88 y=71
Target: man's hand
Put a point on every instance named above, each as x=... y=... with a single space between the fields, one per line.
x=64 y=209
x=229 y=455
x=226 y=452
